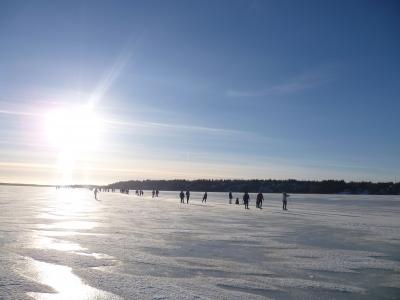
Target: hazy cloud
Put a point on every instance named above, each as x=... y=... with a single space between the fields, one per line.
x=294 y=85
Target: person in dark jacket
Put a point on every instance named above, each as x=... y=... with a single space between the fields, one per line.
x=246 y=199
x=182 y=196
x=284 y=200
x=187 y=196
x=204 y=198
x=259 y=200
x=230 y=197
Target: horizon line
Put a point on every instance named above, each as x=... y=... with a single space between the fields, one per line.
x=198 y=179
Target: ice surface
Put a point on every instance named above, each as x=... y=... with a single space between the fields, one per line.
x=63 y=244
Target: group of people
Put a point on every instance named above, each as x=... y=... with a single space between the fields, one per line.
x=99 y=189
x=259 y=200
x=182 y=196
x=139 y=193
x=231 y=197
x=246 y=199
x=155 y=193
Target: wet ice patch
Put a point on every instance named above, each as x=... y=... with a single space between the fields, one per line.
x=65 y=284
x=43 y=242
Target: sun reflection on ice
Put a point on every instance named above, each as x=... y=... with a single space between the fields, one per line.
x=71 y=208
x=72 y=202
x=65 y=215
x=75 y=225
x=44 y=242
x=67 y=286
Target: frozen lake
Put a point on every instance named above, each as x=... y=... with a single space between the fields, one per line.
x=63 y=244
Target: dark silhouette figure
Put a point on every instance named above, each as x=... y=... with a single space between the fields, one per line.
x=284 y=200
x=153 y=193
x=246 y=199
x=204 y=198
x=237 y=201
x=95 y=193
x=157 y=192
x=259 y=200
x=230 y=197
x=182 y=196
x=187 y=196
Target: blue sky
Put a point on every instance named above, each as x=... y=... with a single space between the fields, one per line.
x=202 y=89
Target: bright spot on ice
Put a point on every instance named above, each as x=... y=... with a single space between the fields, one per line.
x=67 y=285
x=70 y=225
x=66 y=207
x=43 y=242
x=75 y=225
x=63 y=213
x=96 y=255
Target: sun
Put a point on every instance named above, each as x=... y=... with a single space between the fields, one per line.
x=73 y=128
x=75 y=133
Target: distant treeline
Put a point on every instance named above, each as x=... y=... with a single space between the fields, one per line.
x=265 y=186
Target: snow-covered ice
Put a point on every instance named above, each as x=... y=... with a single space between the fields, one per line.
x=63 y=244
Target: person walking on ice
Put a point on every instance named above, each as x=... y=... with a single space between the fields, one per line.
x=187 y=196
x=204 y=198
x=182 y=196
x=95 y=193
x=284 y=200
x=259 y=200
x=230 y=197
x=246 y=199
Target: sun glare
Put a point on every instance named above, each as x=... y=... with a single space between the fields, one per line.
x=75 y=132
x=75 y=128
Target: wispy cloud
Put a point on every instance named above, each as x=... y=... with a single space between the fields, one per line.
x=118 y=125
x=294 y=85
x=143 y=124
x=178 y=127
x=24 y=165
x=19 y=113
x=172 y=128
